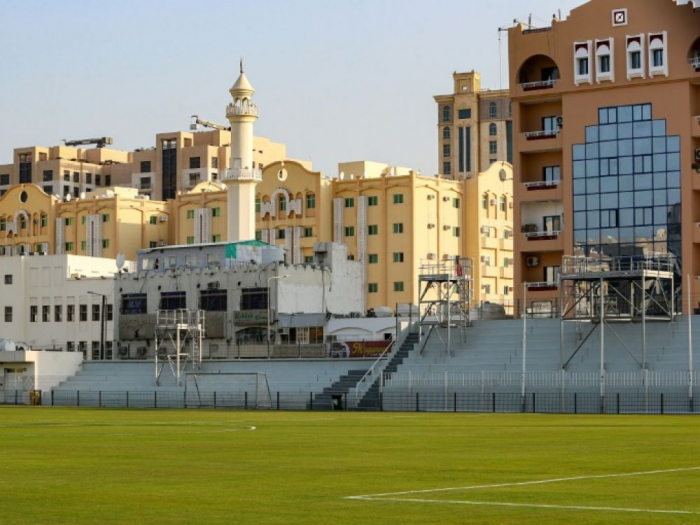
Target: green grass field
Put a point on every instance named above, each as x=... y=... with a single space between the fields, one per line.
x=101 y=466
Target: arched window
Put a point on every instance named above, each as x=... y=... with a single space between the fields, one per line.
x=282 y=203
x=446 y=133
x=446 y=114
x=22 y=222
x=493 y=130
x=493 y=110
x=510 y=109
x=502 y=203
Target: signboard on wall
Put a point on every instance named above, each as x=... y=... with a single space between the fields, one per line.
x=250 y=317
x=354 y=349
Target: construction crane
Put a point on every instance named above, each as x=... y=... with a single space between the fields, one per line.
x=99 y=142
x=196 y=122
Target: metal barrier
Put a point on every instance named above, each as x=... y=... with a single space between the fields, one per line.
x=545 y=403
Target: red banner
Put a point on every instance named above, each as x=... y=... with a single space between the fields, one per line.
x=347 y=349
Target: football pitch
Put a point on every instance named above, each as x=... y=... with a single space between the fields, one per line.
x=104 y=466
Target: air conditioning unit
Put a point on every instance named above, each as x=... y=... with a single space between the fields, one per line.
x=508 y=234
x=432 y=256
x=446 y=199
x=510 y=204
x=510 y=261
x=446 y=257
x=447 y=227
x=163 y=218
x=532 y=261
x=431 y=197
x=141 y=351
x=431 y=226
x=162 y=243
x=214 y=285
x=123 y=350
x=697 y=154
x=510 y=288
x=485 y=229
x=484 y=258
x=560 y=122
x=492 y=202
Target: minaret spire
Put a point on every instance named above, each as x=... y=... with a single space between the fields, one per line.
x=241 y=65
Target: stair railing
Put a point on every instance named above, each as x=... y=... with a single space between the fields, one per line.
x=371 y=368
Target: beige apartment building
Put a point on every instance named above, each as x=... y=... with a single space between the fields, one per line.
x=475 y=127
x=606 y=108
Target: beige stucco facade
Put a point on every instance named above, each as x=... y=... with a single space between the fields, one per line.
x=579 y=88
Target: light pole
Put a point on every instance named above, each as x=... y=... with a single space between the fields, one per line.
x=268 y=308
x=102 y=323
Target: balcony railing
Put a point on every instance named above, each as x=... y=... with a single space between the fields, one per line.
x=232 y=109
x=542 y=184
x=243 y=174
x=542 y=286
x=695 y=62
x=542 y=84
x=539 y=236
x=145 y=186
x=544 y=134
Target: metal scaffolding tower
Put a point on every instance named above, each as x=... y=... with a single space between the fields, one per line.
x=445 y=294
x=178 y=341
x=603 y=291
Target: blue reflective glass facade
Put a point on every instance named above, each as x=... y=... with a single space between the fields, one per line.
x=627 y=185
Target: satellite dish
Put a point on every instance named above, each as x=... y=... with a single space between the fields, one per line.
x=57 y=196
x=120 y=261
x=82 y=195
x=68 y=197
x=502 y=175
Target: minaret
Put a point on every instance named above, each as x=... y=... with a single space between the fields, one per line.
x=242 y=176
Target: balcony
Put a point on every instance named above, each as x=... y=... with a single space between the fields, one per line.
x=542 y=236
x=541 y=185
x=696 y=233
x=695 y=127
x=695 y=63
x=233 y=110
x=542 y=84
x=547 y=241
x=542 y=287
x=145 y=186
x=542 y=134
x=251 y=174
x=542 y=191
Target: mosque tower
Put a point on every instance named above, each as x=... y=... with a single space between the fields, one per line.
x=242 y=177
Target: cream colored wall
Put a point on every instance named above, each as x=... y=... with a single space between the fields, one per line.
x=37 y=204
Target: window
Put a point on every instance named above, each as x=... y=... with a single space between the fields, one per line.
x=83 y=245
x=66 y=176
x=310 y=201
x=254 y=298
x=68 y=221
x=455 y=203
x=487 y=288
x=4 y=179
x=105 y=243
x=45 y=313
x=551 y=173
x=213 y=300
x=110 y=312
x=502 y=203
x=493 y=110
x=493 y=130
x=3 y=224
x=447 y=168
x=604 y=63
x=308 y=232
x=551 y=274
x=657 y=54
x=484 y=201
x=70 y=346
x=8 y=314
x=48 y=175
x=44 y=220
x=8 y=279
x=583 y=67
x=373 y=229
x=349 y=231
x=153 y=219
x=58 y=313
x=635 y=58
x=83 y=313
x=551 y=223
x=398 y=198
x=33 y=312
x=308 y=259
x=195 y=163
x=69 y=247
x=582 y=54
x=190 y=214
x=506 y=262
x=76 y=177
x=258 y=235
x=88 y=178
x=373 y=288
x=446 y=150
x=373 y=258
x=350 y=203
x=398 y=257
x=550 y=124
x=145 y=166
x=190 y=239
x=486 y=259
x=446 y=114
x=493 y=147
x=455 y=231
x=398 y=286
x=281 y=233
x=25 y=168
x=216 y=238
x=373 y=201
x=657 y=58
x=216 y=212
x=105 y=217
x=398 y=227
x=173 y=300
x=70 y=313
x=257 y=205
x=108 y=180
x=506 y=290
x=95 y=312
x=464 y=114
x=98 y=179
x=446 y=133
x=133 y=303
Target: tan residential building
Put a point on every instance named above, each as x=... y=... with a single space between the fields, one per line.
x=475 y=127
x=606 y=108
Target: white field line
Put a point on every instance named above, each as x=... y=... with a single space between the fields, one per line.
x=149 y=432
x=529 y=505
x=522 y=483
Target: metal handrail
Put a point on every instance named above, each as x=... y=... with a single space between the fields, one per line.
x=540 y=83
x=371 y=368
x=542 y=284
x=535 y=235
x=695 y=62
x=542 y=133
x=542 y=183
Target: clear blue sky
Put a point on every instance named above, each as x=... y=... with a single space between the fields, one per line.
x=336 y=80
